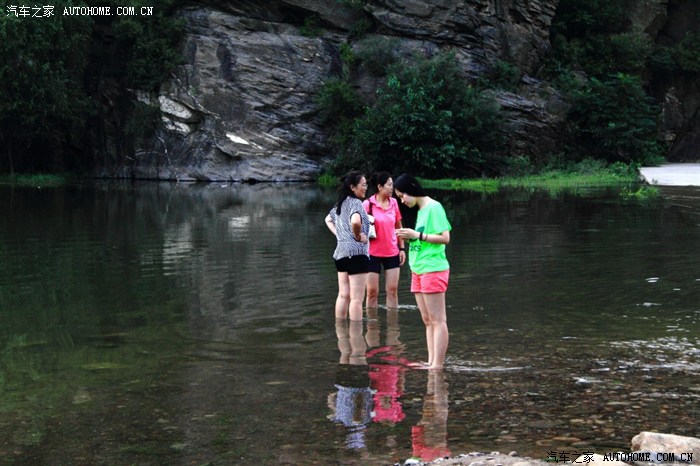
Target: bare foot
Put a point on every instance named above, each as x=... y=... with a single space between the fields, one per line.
x=419 y=365
x=429 y=367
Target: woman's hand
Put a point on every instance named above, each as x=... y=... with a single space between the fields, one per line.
x=402 y=257
x=407 y=233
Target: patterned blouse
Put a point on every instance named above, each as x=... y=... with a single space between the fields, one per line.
x=347 y=245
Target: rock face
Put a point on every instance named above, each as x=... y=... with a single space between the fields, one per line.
x=668 y=23
x=242 y=106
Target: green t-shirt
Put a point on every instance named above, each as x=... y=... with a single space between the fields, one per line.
x=426 y=257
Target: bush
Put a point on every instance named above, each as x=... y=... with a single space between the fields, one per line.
x=615 y=119
x=337 y=102
x=594 y=35
x=377 y=54
x=311 y=27
x=504 y=75
x=427 y=120
x=684 y=56
x=146 y=48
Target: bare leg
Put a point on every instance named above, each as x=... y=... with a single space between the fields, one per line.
x=392 y=287
x=435 y=306
x=358 y=283
x=425 y=315
x=372 y=290
x=343 y=300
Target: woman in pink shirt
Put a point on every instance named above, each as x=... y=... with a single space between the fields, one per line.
x=386 y=250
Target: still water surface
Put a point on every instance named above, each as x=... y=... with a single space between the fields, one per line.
x=193 y=324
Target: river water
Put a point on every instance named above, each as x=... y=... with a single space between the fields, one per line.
x=193 y=324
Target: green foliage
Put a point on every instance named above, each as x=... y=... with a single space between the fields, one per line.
x=41 y=180
x=595 y=36
x=339 y=106
x=684 y=56
x=327 y=180
x=577 y=19
x=311 y=27
x=616 y=119
x=42 y=61
x=687 y=53
x=348 y=58
x=52 y=69
x=377 y=54
x=643 y=193
x=504 y=75
x=588 y=173
x=338 y=102
x=146 y=47
x=426 y=120
x=363 y=23
x=629 y=51
x=519 y=166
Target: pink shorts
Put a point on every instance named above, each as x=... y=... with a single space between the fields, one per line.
x=430 y=282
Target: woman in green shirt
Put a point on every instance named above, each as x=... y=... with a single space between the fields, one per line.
x=430 y=270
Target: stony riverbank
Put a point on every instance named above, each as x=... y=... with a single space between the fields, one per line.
x=647 y=448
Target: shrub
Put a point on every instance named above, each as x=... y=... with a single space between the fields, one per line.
x=684 y=56
x=311 y=27
x=427 y=120
x=615 y=118
x=337 y=101
x=504 y=76
x=377 y=54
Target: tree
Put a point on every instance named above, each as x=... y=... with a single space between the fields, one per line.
x=42 y=98
x=616 y=119
x=427 y=120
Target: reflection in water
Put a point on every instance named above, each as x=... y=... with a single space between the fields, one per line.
x=189 y=324
x=429 y=437
x=388 y=368
x=371 y=393
x=351 y=405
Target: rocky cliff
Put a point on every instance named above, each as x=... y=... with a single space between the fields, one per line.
x=242 y=107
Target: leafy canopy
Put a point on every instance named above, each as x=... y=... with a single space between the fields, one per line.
x=426 y=120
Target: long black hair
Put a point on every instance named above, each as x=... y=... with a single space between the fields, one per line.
x=344 y=191
x=409 y=185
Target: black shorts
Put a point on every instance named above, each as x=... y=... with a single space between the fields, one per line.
x=353 y=265
x=375 y=263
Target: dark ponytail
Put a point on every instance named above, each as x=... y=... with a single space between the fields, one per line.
x=344 y=191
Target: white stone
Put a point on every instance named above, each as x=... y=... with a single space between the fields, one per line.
x=173 y=108
x=236 y=139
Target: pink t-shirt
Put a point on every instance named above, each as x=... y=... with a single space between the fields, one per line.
x=386 y=243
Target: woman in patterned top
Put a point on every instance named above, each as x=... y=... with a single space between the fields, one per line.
x=430 y=270
x=349 y=223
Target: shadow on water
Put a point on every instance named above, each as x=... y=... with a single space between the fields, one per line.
x=193 y=324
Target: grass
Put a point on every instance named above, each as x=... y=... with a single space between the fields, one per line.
x=552 y=181
x=39 y=180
